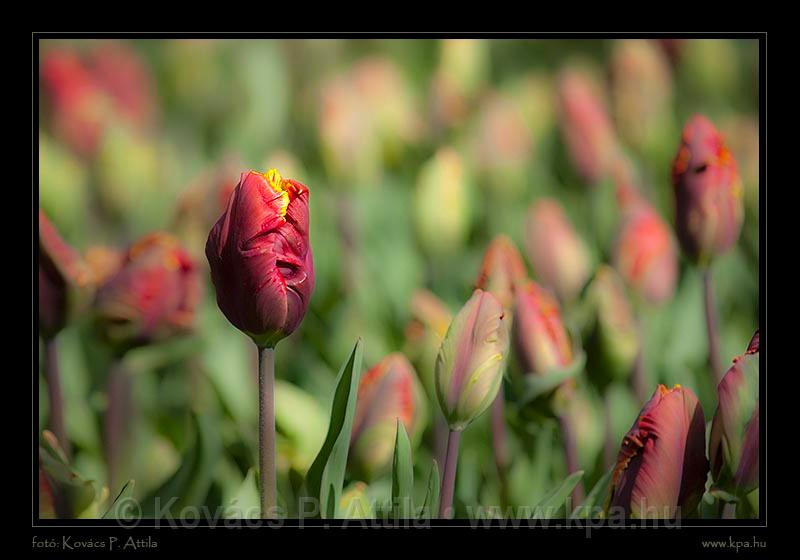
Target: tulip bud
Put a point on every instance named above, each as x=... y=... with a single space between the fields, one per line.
x=734 y=440
x=502 y=270
x=469 y=368
x=616 y=332
x=558 y=255
x=425 y=333
x=388 y=391
x=586 y=126
x=442 y=183
x=61 y=274
x=661 y=467
x=153 y=296
x=540 y=337
x=642 y=85
x=260 y=257
x=708 y=192
x=645 y=253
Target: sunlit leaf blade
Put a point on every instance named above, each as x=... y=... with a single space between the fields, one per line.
x=402 y=475
x=430 y=507
x=326 y=474
x=245 y=504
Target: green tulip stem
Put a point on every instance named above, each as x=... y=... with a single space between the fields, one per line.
x=499 y=445
x=54 y=394
x=571 y=454
x=711 y=327
x=266 y=431
x=449 y=475
x=116 y=420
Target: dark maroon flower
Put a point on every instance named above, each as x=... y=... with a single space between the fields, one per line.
x=152 y=296
x=260 y=257
x=661 y=468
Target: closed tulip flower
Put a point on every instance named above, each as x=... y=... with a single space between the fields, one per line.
x=263 y=274
x=469 y=368
x=661 y=467
x=388 y=391
x=469 y=373
x=558 y=255
x=708 y=192
x=152 y=296
x=502 y=269
x=260 y=257
x=540 y=337
x=734 y=440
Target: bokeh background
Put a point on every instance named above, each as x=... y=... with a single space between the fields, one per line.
x=417 y=153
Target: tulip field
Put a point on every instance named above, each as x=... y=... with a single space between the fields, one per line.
x=392 y=279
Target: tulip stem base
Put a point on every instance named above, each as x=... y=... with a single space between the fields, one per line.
x=449 y=475
x=711 y=327
x=571 y=454
x=55 y=397
x=266 y=432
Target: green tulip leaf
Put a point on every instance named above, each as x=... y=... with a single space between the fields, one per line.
x=430 y=508
x=594 y=503
x=118 y=509
x=191 y=482
x=245 y=504
x=325 y=477
x=402 y=475
x=552 y=506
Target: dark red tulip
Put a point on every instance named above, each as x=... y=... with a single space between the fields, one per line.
x=60 y=272
x=734 y=441
x=152 y=296
x=708 y=192
x=260 y=257
x=661 y=468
